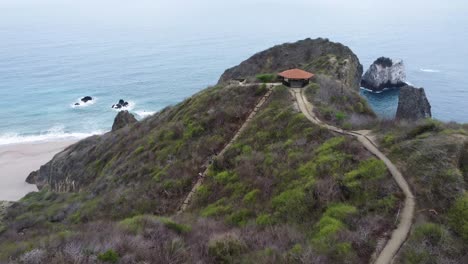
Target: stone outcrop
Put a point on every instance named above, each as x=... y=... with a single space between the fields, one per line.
x=413 y=104
x=122 y=119
x=384 y=73
x=121 y=104
x=319 y=56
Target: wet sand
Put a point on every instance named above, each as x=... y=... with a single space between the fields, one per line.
x=17 y=161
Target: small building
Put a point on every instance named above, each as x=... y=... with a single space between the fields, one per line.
x=295 y=78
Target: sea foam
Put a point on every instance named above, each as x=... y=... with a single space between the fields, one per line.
x=143 y=114
x=54 y=134
x=429 y=70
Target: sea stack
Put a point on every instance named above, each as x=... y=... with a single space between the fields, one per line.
x=413 y=104
x=384 y=73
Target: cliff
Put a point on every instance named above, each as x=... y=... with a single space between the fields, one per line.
x=384 y=73
x=413 y=104
x=313 y=55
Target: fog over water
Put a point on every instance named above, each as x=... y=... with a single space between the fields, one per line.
x=156 y=53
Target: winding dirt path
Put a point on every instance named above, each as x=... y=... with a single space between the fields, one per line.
x=201 y=176
x=400 y=234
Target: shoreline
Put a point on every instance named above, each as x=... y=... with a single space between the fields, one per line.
x=17 y=161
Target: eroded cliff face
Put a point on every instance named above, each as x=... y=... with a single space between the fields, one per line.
x=384 y=73
x=314 y=55
x=413 y=104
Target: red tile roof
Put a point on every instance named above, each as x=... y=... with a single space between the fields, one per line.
x=296 y=74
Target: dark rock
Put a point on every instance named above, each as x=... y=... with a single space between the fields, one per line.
x=122 y=119
x=77 y=103
x=313 y=55
x=413 y=104
x=384 y=73
x=122 y=103
x=86 y=99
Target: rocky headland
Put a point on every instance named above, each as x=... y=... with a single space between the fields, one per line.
x=384 y=73
x=123 y=119
x=314 y=55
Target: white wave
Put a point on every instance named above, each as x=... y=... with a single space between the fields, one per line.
x=83 y=104
x=144 y=114
x=53 y=134
x=129 y=107
x=429 y=70
x=372 y=91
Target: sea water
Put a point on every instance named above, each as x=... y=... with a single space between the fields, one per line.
x=49 y=61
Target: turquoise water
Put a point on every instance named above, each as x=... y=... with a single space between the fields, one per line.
x=45 y=66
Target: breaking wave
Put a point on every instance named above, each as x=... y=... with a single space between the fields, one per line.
x=429 y=70
x=53 y=134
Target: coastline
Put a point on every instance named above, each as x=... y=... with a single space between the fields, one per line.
x=17 y=161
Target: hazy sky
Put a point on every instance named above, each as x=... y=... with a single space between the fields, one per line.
x=179 y=12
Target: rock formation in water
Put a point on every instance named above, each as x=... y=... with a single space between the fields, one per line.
x=384 y=73
x=313 y=55
x=121 y=104
x=122 y=119
x=413 y=104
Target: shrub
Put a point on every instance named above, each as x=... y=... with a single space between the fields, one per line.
x=266 y=77
x=264 y=220
x=340 y=211
x=458 y=216
x=340 y=116
x=427 y=126
x=251 y=197
x=225 y=177
x=139 y=150
x=430 y=232
x=178 y=228
x=133 y=224
x=239 y=218
x=370 y=169
x=215 y=209
x=226 y=248
x=290 y=204
x=109 y=256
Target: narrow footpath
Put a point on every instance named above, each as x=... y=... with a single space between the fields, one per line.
x=400 y=234
x=202 y=176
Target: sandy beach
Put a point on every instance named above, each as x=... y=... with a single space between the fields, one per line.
x=17 y=161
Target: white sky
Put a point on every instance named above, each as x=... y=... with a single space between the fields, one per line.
x=211 y=13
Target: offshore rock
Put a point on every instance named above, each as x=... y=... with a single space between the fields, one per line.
x=384 y=73
x=413 y=104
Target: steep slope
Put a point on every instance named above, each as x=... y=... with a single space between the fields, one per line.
x=315 y=55
x=433 y=157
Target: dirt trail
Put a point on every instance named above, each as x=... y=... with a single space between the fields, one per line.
x=201 y=176
x=400 y=234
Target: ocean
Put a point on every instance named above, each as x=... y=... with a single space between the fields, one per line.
x=48 y=63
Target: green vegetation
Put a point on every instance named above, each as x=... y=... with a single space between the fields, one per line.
x=266 y=77
x=338 y=104
x=458 y=216
x=226 y=248
x=431 y=155
x=109 y=256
